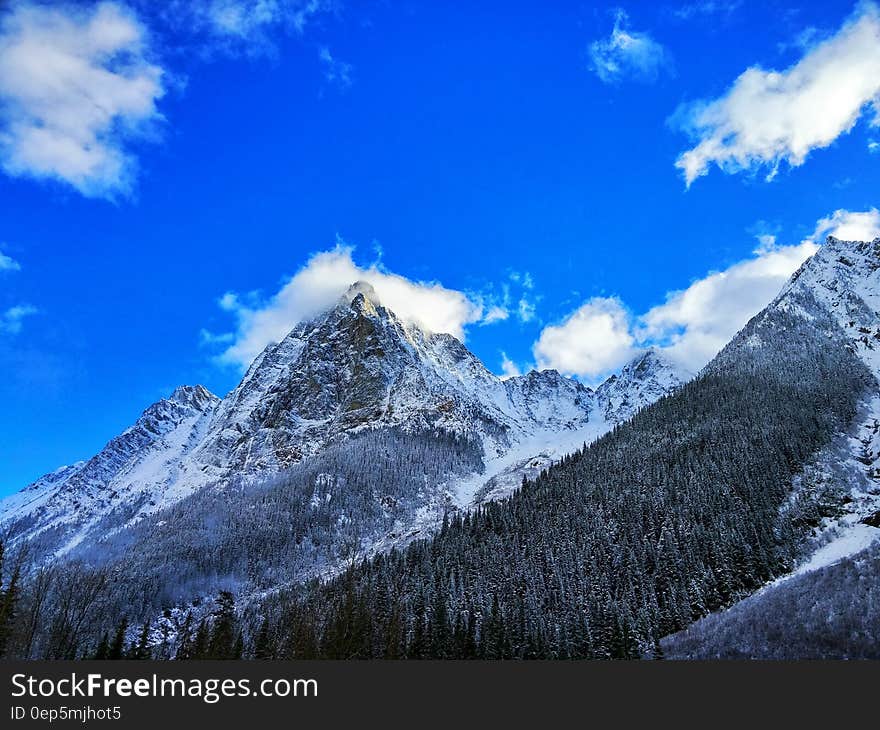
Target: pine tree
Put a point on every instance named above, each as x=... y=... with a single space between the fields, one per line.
x=221 y=644
x=102 y=651
x=8 y=604
x=117 y=648
x=185 y=642
x=142 y=649
x=262 y=648
x=201 y=643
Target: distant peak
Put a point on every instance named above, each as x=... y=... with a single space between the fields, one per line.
x=651 y=356
x=648 y=363
x=364 y=289
x=197 y=396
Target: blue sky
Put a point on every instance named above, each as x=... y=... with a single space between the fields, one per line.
x=179 y=187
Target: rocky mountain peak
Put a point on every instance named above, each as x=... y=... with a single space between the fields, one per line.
x=362 y=288
x=361 y=298
x=194 y=396
x=646 y=378
x=353 y=369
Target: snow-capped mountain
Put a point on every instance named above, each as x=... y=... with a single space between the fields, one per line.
x=836 y=291
x=359 y=366
x=140 y=469
x=644 y=380
x=355 y=368
x=843 y=278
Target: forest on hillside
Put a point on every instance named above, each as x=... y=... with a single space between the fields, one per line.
x=681 y=511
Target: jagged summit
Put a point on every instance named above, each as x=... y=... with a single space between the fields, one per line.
x=355 y=368
x=364 y=289
x=646 y=378
x=195 y=396
x=362 y=299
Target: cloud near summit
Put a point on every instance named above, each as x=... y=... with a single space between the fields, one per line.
x=693 y=323
x=319 y=284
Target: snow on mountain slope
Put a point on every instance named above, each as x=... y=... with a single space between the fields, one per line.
x=355 y=367
x=843 y=281
x=646 y=379
x=843 y=278
x=836 y=289
x=133 y=469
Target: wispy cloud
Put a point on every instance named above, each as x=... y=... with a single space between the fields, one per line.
x=76 y=89
x=628 y=54
x=335 y=71
x=11 y=320
x=707 y=9
x=495 y=313
x=770 y=117
x=248 y=27
x=509 y=369
x=7 y=263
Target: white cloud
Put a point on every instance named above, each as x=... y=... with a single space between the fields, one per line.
x=627 y=54
x=771 y=117
x=695 y=323
x=509 y=369
x=593 y=340
x=76 y=87
x=873 y=145
x=7 y=263
x=335 y=71
x=321 y=282
x=243 y=25
x=849 y=226
x=11 y=319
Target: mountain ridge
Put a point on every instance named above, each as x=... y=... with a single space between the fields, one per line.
x=694 y=503
x=354 y=367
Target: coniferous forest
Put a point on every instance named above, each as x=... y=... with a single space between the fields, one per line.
x=680 y=511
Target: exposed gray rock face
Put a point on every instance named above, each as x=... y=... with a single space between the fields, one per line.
x=354 y=368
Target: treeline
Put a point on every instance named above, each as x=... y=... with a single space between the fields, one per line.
x=832 y=613
x=681 y=511
x=248 y=536
x=64 y=612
